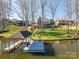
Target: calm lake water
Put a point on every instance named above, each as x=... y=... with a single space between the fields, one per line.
x=54 y=50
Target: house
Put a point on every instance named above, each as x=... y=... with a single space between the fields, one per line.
x=45 y=23
x=66 y=22
x=63 y=22
x=22 y=23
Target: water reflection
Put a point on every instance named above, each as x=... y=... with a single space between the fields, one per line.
x=53 y=49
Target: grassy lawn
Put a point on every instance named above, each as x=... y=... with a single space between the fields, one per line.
x=59 y=32
x=12 y=30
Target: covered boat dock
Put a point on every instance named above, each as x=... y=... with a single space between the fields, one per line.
x=27 y=44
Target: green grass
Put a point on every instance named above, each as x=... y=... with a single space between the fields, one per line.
x=60 y=32
x=12 y=30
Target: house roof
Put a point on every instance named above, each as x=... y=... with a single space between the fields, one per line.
x=21 y=34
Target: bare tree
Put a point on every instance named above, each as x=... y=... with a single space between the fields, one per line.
x=5 y=12
x=23 y=10
x=53 y=5
x=68 y=11
x=33 y=12
x=77 y=13
x=43 y=3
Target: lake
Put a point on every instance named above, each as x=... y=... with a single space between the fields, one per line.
x=63 y=49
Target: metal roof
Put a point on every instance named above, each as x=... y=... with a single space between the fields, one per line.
x=25 y=33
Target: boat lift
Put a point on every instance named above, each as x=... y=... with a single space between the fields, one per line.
x=33 y=46
x=14 y=46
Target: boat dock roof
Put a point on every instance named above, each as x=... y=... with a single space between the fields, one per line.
x=36 y=46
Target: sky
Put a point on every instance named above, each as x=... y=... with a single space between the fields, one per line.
x=59 y=13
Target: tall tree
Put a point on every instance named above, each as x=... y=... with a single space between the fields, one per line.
x=5 y=12
x=68 y=11
x=43 y=3
x=23 y=10
x=77 y=13
x=53 y=5
x=33 y=12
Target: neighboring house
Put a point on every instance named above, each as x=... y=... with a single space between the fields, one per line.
x=22 y=23
x=66 y=22
x=45 y=23
x=63 y=22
